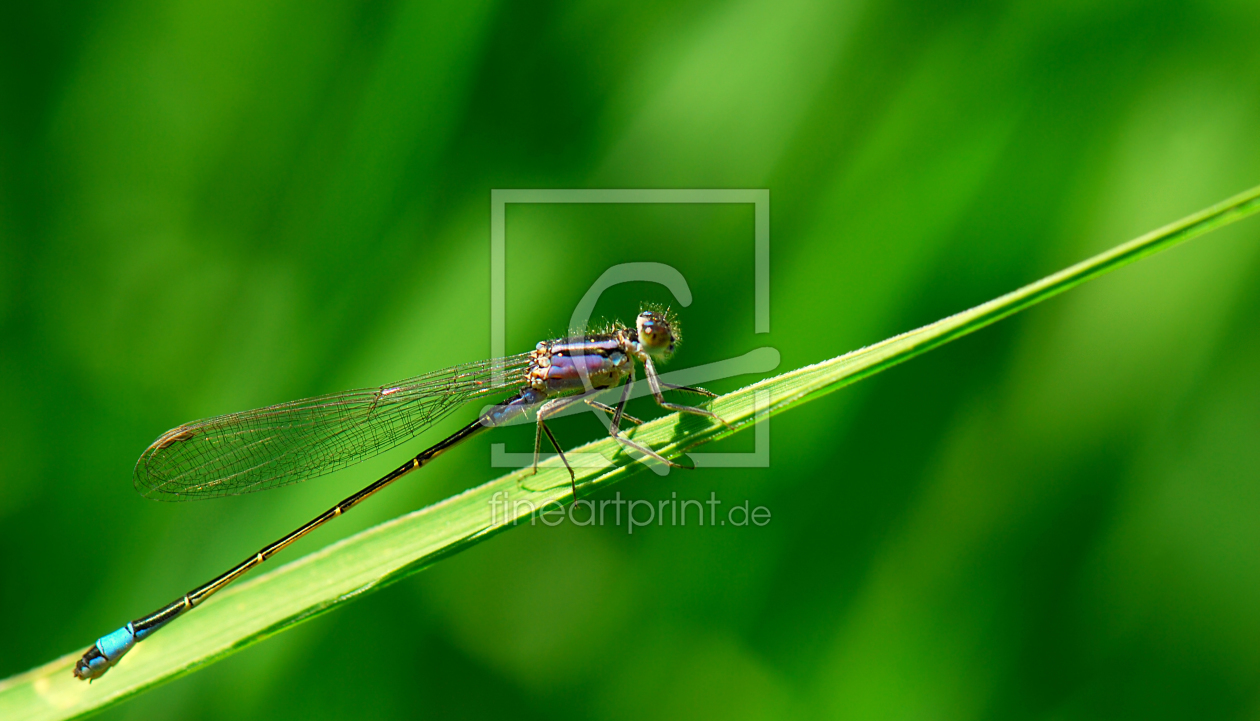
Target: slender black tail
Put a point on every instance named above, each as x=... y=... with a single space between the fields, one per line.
x=110 y=648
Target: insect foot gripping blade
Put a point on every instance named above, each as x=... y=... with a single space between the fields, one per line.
x=105 y=653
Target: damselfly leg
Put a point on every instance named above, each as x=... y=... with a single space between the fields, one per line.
x=688 y=389
x=614 y=429
x=654 y=382
x=612 y=412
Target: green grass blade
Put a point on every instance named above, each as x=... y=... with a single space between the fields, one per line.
x=254 y=610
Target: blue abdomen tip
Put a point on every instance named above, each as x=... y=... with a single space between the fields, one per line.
x=114 y=645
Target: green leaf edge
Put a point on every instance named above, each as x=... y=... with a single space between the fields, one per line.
x=307 y=587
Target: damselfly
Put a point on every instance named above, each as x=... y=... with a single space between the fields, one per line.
x=291 y=442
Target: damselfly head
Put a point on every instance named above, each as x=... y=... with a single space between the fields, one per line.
x=658 y=332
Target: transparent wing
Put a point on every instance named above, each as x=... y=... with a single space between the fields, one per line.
x=291 y=442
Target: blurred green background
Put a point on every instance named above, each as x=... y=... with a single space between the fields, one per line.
x=212 y=206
